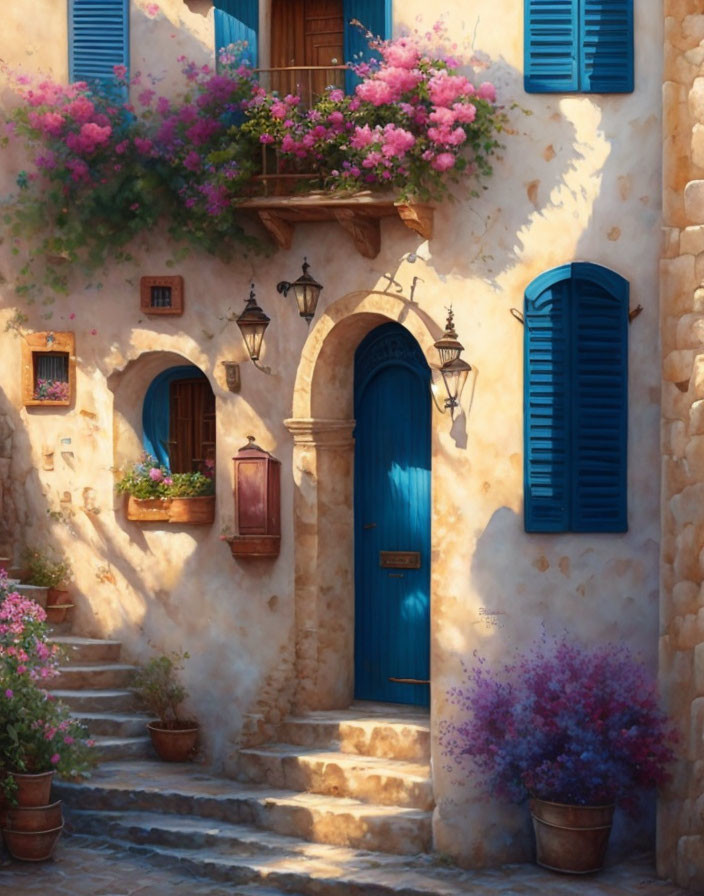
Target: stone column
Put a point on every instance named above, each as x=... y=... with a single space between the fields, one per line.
x=323 y=471
x=680 y=848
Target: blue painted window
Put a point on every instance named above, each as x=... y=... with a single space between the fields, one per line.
x=98 y=39
x=578 y=46
x=576 y=400
x=235 y=21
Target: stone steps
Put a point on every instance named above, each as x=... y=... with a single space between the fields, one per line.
x=100 y=700
x=386 y=731
x=94 y=676
x=174 y=788
x=115 y=724
x=114 y=749
x=239 y=854
x=88 y=650
x=387 y=782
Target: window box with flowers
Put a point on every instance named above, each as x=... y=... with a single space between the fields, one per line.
x=154 y=494
x=102 y=173
x=48 y=369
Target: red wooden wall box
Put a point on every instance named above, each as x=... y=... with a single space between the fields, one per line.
x=257 y=503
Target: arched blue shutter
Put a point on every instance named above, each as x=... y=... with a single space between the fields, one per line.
x=237 y=20
x=550 y=46
x=98 y=38
x=599 y=399
x=375 y=16
x=606 y=46
x=155 y=411
x=576 y=401
x=547 y=409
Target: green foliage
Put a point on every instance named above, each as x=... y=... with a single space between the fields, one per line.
x=157 y=687
x=149 y=479
x=44 y=570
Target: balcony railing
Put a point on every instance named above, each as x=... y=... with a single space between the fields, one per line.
x=310 y=83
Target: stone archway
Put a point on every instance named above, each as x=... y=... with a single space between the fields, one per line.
x=322 y=424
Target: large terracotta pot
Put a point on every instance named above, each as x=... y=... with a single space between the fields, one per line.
x=31 y=846
x=57 y=613
x=174 y=744
x=571 y=839
x=34 y=818
x=57 y=597
x=197 y=511
x=33 y=790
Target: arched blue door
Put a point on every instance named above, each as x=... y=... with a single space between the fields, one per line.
x=392 y=518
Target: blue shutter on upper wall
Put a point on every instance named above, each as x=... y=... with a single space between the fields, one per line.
x=375 y=16
x=599 y=399
x=606 y=46
x=235 y=21
x=576 y=401
x=550 y=41
x=98 y=34
x=547 y=409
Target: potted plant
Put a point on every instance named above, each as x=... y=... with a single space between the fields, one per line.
x=38 y=736
x=572 y=729
x=153 y=493
x=45 y=571
x=157 y=687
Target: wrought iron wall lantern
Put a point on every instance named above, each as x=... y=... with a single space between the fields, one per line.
x=253 y=323
x=306 y=290
x=453 y=369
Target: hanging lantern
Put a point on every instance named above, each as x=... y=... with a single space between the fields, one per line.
x=306 y=290
x=453 y=369
x=448 y=346
x=253 y=323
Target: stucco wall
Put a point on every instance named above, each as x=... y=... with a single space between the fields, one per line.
x=681 y=811
x=578 y=180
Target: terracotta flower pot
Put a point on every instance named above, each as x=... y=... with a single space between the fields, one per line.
x=33 y=790
x=31 y=846
x=34 y=818
x=196 y=511
x=57 y=597
x=147 y=509
x=174 y=744
x=571 y=839
x=58 y=613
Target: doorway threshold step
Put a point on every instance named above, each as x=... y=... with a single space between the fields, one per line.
x=365 y=729
x=388 y=782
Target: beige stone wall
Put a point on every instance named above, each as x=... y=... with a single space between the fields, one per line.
x=578 y=180
x=681 y=810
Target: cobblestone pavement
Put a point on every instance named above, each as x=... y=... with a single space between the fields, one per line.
x=83 y=868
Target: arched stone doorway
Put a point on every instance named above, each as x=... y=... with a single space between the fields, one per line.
x=322 y=424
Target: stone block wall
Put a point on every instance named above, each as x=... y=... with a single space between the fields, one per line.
x=681 y=809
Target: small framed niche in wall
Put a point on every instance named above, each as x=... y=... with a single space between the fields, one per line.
x=48 y=369
x=161 y=295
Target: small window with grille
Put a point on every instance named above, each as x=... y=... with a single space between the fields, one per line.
x=48 y=369
x=161 y=295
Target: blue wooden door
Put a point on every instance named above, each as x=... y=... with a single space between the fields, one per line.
x=392 y=514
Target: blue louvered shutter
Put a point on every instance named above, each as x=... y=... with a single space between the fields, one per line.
x=98 y=38
x=599 y=401
x=547 y=410
x=550 y=46
x=606 y=46
x=235 y=21
x=375 y=16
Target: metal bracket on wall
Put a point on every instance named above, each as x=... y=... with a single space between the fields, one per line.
x=633 y=313
x=514 y=312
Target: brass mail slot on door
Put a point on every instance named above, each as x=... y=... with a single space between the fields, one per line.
x=399 y=559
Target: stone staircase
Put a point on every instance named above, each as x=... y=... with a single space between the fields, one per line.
x=341 y=805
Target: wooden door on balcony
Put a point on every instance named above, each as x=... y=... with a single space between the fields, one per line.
x=306 y=33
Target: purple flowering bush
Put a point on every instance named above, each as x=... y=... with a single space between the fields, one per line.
x=102 y=170
x=562 y=722
x=37 y=732
x=51 y=390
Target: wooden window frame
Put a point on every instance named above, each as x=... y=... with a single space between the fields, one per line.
x=44 y=343
x=175 y=283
